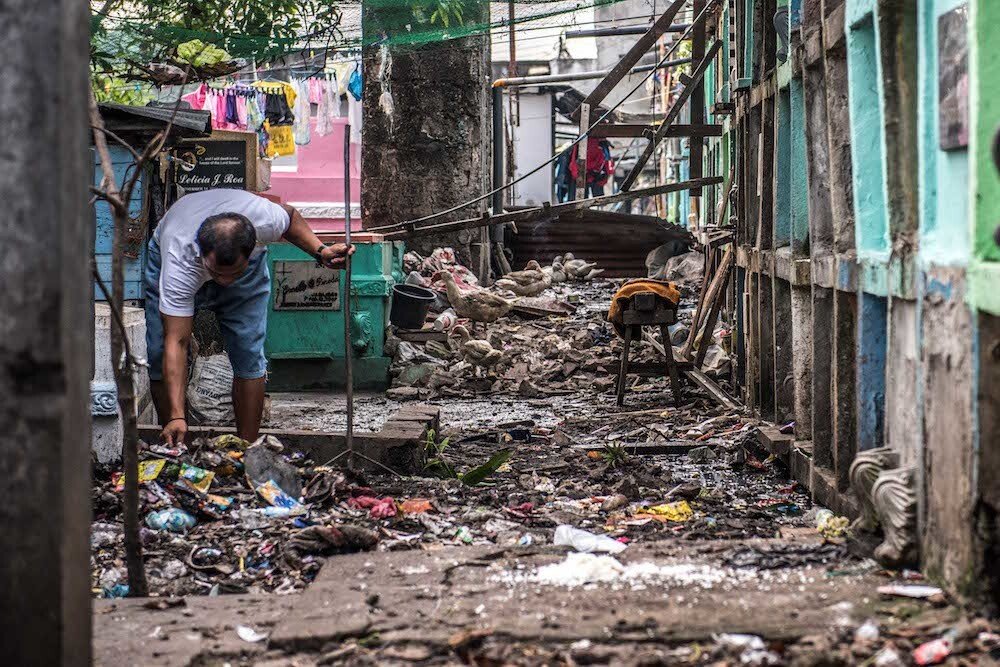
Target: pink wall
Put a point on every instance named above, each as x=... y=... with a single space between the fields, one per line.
x=319 y=176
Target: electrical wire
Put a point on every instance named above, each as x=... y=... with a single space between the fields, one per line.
x=555 y=157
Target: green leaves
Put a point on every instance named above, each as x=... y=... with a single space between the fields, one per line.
x=149 y=30
x=478 y=475
x=438 y=466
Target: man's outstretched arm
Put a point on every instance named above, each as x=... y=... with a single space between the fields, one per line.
x=303 y=237
x=176 y=341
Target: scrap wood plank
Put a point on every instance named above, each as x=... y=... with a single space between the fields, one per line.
x=712 y=388
x=713 y=301
x=709 y=331
x=675 y=110
x=625 y=130
x=646 y=448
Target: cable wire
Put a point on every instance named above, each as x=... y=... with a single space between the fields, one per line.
x=580 y=138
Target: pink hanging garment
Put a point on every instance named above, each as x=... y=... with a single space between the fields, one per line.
x=241 y=111
x=197 y=98
x=324 y=117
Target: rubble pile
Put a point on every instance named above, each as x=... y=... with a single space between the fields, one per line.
x=554 y=343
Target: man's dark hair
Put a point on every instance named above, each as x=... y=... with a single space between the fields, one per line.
x=231 y=236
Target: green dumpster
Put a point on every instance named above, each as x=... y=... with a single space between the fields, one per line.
x=305 y=327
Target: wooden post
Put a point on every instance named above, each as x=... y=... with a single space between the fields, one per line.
x=46 y=239
x=697 y=108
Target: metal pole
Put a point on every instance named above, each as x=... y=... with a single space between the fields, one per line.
x=498 y=139
x=623 y=30
x=348 y=348
x=581 y=76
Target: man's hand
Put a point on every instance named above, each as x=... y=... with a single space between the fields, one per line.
x=174 y=432
x=334 y=256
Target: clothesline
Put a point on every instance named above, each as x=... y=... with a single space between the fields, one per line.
x=280 y=111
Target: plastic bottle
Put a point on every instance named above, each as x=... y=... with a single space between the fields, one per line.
x=446 y=320
x=173 y=519
x=586 y=542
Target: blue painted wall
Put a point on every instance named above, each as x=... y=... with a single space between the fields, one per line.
x=872 y=349
x=104 y=226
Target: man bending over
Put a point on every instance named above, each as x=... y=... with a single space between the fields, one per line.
x=209 y=251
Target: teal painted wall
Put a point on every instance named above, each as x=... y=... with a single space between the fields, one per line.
x=868 y=152
x=945 y=237
x=799 y=191
x=782 y=171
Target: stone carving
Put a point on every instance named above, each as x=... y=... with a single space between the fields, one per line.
x=865 y=470
x=895 y=499
x=103 y=399
x=362 y=328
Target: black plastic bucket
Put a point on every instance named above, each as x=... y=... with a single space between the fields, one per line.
x=410 y=305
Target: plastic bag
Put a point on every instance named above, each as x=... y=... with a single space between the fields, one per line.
x=210 y=391
x=586 y=542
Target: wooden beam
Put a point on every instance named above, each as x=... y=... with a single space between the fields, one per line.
x=409 y=230
x=714 y=390
x=633 y=55
x=671 y=116
x=619 y=130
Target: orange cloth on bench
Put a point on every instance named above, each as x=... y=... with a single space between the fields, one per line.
x=665 y=290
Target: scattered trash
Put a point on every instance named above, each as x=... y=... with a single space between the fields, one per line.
x=738 y=642
x=933 y=652
x=248 y=634
x=172 y=519
x=831 y=526
x=888 y=657
x=379 y=508
x=197 y=479
x=910 y=591
x=867 y=632
x=415 y=506
x=585 y=542
x=264 y=464
x=678 y=510
x=701 y=455
x=276 y=497
x=613 y=503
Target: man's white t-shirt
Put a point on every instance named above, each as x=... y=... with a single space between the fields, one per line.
x=181 y=271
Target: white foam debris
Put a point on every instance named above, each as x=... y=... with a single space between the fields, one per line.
x=585 y=569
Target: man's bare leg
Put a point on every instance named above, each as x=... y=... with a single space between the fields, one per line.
x=248 y=403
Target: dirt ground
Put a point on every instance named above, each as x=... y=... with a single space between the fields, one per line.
x=712 y=554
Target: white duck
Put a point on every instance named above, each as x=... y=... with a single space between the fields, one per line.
x=577 y=269
x=478 y=353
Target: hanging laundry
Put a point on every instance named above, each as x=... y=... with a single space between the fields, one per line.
x=324 y=114
x=354 y=84
x=197 y=98
x=354 y=118
x=302 y=113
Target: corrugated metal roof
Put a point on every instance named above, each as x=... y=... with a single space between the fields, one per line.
x=187 y=122
x=618 y=242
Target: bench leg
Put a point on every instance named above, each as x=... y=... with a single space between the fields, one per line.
x=623 y=367
x=668 y=350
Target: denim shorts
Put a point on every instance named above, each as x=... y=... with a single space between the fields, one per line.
x=241 y=309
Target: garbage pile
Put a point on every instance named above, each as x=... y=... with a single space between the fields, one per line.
x=538 y=332
x=222 y=516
